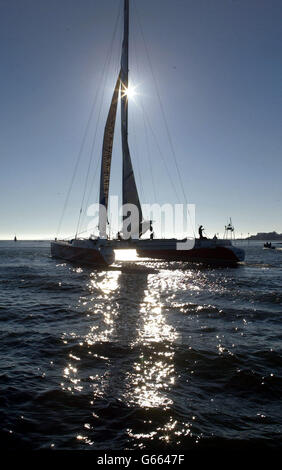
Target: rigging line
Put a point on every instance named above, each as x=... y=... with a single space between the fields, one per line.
x=161 y=153
x=116 y=67
x=87 y=229
x=156 y=139
x=145 y=127
x=161 y=105
x=163 y=113
x=149 y=159
x=97 y=195
x=76 y=164
x=90 y=161
x=85 y=133
x=106 y=65
x=133 y=133
x=91 y=188
x=71 y=236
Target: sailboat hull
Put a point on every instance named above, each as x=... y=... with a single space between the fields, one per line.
x=88 y=252
x=212 y=252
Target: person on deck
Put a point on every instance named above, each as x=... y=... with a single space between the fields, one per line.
x=201 y=229
x=151 y=230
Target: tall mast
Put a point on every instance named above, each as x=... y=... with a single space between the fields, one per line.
x=129 y=189
x=124 y=69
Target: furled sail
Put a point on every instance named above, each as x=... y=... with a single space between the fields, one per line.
x=129 y=189
x=107 y=159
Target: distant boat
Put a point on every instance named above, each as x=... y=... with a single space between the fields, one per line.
x=15 y=239
x=100 y=250
x=269 y=245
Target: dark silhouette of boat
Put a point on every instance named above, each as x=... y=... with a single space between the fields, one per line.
x=269 y=245
x=100 y=250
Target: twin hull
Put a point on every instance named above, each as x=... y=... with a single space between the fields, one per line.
x=94 y=252
x=101 y=252
x=204 y=251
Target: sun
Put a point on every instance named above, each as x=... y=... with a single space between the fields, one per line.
x=130 y=91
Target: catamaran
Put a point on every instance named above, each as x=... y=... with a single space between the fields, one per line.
x=100 y=250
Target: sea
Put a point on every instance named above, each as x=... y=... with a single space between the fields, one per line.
x=143 y=355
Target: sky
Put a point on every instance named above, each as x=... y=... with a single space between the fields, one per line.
x=206 y=117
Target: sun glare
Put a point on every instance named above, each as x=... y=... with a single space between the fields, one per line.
x=130 y=91
x=125 y=255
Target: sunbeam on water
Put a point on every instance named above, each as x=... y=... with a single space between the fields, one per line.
x=126 y=255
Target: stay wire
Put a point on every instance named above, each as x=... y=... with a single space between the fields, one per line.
x=116 y=69
x=144 y=124
x=103 y=81
x=163 y=111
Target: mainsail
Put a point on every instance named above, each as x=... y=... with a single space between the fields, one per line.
x=129 y=189
x=107 y=159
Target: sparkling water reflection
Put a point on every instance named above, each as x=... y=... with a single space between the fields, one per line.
x=141 y=355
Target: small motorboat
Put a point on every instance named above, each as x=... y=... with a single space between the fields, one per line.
x=269 y=245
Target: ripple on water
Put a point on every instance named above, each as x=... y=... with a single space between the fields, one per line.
x=141 y=356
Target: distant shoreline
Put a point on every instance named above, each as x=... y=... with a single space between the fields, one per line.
x=266 y=236
x=24 y=240
x=261 y=236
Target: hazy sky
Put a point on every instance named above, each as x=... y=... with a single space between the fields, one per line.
x=218 y=68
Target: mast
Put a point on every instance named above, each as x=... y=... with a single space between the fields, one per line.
x=125 y=70
x=129 y=189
